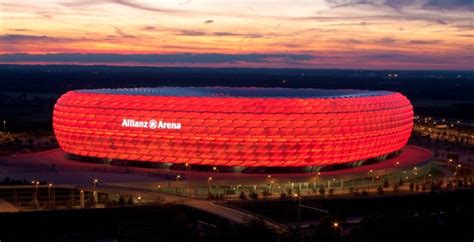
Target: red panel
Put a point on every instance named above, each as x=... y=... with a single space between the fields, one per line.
x=236 y=131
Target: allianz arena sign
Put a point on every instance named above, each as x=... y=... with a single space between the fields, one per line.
x=152 y=124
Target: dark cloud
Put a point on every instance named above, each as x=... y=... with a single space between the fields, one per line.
x=221 y=33
x=399 y=5
x=17 y=38
x=440 y=21
x=128 y=3
x=424 y=42
x=185 y=58
x=393 y=5
x=349 y=41
x=122 y=34
x=465 y=5
x=149 y=28
x=386 y=41
x=191 y=32
x=209 y=21
x=20 y=30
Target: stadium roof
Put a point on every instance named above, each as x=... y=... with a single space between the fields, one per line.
x=247 y=92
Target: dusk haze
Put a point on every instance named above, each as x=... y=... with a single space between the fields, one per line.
x=342 y=34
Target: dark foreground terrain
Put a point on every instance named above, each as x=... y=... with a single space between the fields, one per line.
x=438 y=217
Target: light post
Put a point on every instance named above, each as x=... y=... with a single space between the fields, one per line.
x=94 y=193
x=177 y=184
x=316 y=178
x=139 y=198
x=269 y=182
x=209 y=179
x=49 y=193
x=298 y=215
x=338 y=226
x=4 y=127
x=187 y=167
x=456 y=171
x=35 y=197
x=216 y=170
x=370 y=178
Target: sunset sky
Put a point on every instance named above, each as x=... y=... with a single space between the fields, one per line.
x=362 y=34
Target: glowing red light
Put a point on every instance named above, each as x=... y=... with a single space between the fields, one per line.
x=233 y=131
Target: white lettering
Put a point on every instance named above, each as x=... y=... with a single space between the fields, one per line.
x=152 y=124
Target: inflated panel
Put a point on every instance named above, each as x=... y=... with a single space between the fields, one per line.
x=182 y=125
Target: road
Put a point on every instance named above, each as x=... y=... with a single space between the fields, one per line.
x=232 y=214
x=7 y=207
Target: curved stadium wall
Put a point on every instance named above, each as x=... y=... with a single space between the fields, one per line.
x=275 y=127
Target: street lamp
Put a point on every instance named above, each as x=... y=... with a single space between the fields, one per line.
x=139 y=199
x=94 y=182
x=216 y=170
x=209 y=179
x=35 y=197
x=457 y=167
x=49 y=192
x=336 y=226
x=371 y=178
x=4 y=126
x=316 y=178
x=94 y=193
x=298 y=215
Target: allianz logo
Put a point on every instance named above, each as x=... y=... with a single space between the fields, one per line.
x=152 y=124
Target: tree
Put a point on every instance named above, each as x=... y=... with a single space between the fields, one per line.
x=322 y=191
x=395 y=188
x=412 y=187
x=386 y=184
x=121 y=201
x=351 y=190
x=449 y=186
x=130 y=200
x=400 y=182
x=380 y=190
x=266 y=193
x=253 y=195
x=290 y=192
x=242 y=196
x=331 y=191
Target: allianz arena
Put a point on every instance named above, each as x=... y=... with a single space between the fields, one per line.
x=221 y=126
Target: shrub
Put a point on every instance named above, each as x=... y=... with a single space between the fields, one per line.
x=380 y=190
x=242 y=196
x=395 y=188
x=253 y=195
x=331 y=191
x=322 y=191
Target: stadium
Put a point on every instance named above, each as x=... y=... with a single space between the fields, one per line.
x=234 y=127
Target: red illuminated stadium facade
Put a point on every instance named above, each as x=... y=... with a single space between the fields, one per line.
x=268 y=127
